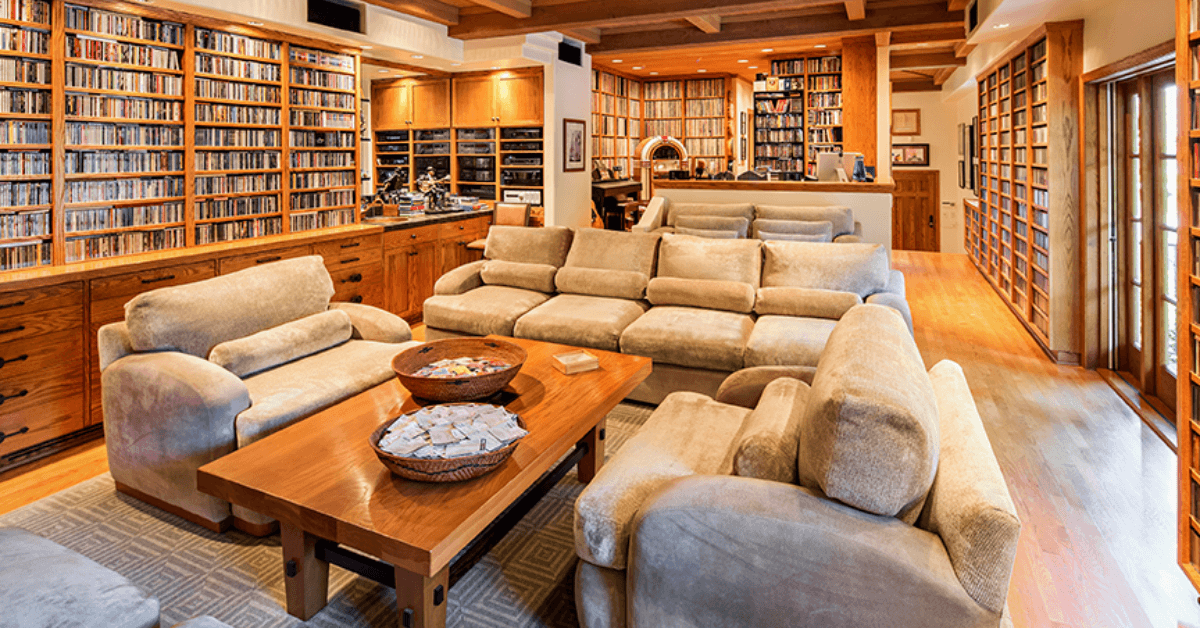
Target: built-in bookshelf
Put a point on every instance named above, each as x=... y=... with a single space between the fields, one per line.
x=1024 y=235
x=696 y=111
x=432 y=148
x=522 y=177
x=475 y=162
x=323 y=138
x=393 y=154
x=800 y=114
x=616 y=120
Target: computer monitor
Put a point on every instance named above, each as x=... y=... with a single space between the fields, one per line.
x=827 y=166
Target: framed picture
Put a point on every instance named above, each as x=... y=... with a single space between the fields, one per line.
x=910 y=155
x=742 y=126
x=574 y=136
x=906 y=122
x=962 y=174
x=743 y=148
x=972 y=155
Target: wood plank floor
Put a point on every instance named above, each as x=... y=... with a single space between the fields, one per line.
x=1095 y=488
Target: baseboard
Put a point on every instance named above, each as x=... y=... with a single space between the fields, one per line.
x=1157 y=416
x=49 y=448
x=219 y=527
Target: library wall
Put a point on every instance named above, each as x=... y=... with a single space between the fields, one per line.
x=943 y=157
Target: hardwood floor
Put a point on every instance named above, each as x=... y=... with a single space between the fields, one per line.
x=1094 y=486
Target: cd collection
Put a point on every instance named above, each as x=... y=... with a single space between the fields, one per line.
x=106 y=23
x=37 y=11
x=225 y=90
x=14 y=70
x=320 y=57
x=24 y=162
x=327 y=100
x=321 y=219
x=237 y=160
x=309 y=180
x=118 y=162
x=24 y=40
x=88 y=77
x=317 y=200
x=327 y=119
x=103 y=134
x=316 y=139
x=13 y=100
x=150 y=109
x=102 y=218
x=317 y=78
x=123 y=190
x=238 y=230
x=23 y=132
x=24 y=255
x=234 y=207
x=236 y=114
x=25 y=224
x=237 y=68
x=237 y=44
x=238 y=184
x=23 y=193
x=208 y=137
x=310 y=159
x=128 y=243
x=117 y=52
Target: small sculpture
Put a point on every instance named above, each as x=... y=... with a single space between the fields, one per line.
x=433 y=189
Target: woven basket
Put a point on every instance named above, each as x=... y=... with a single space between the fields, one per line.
x=459 y=388
x=438 y=469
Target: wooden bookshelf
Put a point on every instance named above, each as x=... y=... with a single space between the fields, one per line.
x=693 y=110
x=616 y=120
x=800 y=114
x=522 y=163
x=1187 y=77
x=1024 y=234
x=475 y=163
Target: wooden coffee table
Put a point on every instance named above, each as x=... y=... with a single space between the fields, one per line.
x=337 y=503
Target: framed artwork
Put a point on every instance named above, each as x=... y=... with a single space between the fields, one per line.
x=743 y=148
x=574 y=136
x=910 y=155
x=972 y=156
x=742 y=126
x=962 y=140
x=962 y=174
x=906 y=122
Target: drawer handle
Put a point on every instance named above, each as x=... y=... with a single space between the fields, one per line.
x=4 y=398
x=413 y=236
x=20 y=358
x=158 y=279
x=12 y=330
x=356 y=298
x=16 y=433
x=351 y=245
x=351 y=260
x=412 y=253
x=462 y=227
x=273 y=258
x=355 y=278
x=8 y=305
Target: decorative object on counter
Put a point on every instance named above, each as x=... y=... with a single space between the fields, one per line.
x=448 y=443
x=910 y=155
x=409 y=363
x=576 y=362
x=434 y=189
x=574 y=136
x=906 y=122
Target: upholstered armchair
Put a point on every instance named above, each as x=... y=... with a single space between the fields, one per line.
x=197 y=371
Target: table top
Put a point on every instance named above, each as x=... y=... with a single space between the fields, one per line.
x=322 y=476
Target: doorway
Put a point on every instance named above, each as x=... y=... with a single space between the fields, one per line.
x=915 y=216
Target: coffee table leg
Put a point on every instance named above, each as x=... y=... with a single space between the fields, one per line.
x=591 y=461
x=306 y=577
x=421 y=600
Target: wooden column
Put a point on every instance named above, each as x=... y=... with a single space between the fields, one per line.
x=859 y=97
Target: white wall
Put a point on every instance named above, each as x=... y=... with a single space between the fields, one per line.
x=568 y=95
x=1116 y=29
x=943 y=157
x=743 y=102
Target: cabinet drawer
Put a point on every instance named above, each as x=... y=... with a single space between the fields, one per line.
x=19 y=302
x=456 y=229
x=47 y=404
x=131 y=284
x=360 y=284
x=240 y=262
x=30 y=356
x=352 y=251
x=32 y=324
x=406 y=237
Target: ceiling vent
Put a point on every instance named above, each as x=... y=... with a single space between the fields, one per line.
x=339 y=14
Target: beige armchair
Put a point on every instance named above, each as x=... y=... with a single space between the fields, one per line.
x=867 y=495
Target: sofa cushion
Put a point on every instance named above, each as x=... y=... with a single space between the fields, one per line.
x=731 y=296
x=530 y=245
x=841 y=218
x=282 y=344
x=684 y=336
x=713 y=223
x=45 y=584
x=536 y=277
x=808 y=302
x=617 y=284
x=194 y=318
x=800 y=227
x=794 y=237
x=689 y=434
x=766 y=445
x=688 y=257
x=869 y=437
x=580 y=321
x=787 y=341
x=288 y=393
x=726 y=210
x=712 y=234
x=613 y=250
x=482 y=311
x=858 y=268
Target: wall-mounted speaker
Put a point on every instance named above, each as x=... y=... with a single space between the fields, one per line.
x=569 y=53
x=339 y=14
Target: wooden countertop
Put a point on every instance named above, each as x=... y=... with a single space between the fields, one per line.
x=885 y=186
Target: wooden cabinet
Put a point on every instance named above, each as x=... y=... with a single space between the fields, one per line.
x=502 y=99
x=340 y=254
x=473 y=102
x=391 y=105
x=431 y=103
x=359 y=284
x=235 y=263
x=411 y=103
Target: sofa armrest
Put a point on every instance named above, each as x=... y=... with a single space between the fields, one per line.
x=114 y=343
x=896 y=284
x=165 y=415
x=744 y=388
x=790 y=557
x=851 y=238
x=896 y=302
x=654 y=217
x=462 y=279
x=372 y=323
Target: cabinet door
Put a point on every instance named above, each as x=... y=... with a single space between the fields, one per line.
x=431 y=104
x=474 y=102
x=391 y=106
x=519 y=100
x=422 y=274
x=397 y=271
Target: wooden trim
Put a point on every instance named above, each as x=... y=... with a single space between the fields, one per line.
x=219 y=527
x=1156 y=416
x=1147 y=60
x=404 y=67
x=256 y=529
x=879 y=187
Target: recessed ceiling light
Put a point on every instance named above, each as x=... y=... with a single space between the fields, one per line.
x=384 y=71
x=495 y=67
x=618 y=61
x=418 y=56
x=753 y=67
x=654 y=73
x=922 y=45
x=701 y=71
x=999 y=26
x=254 y=23
x=743 y=61
x=455 y=64
x=820 y=46
x=768 y=50
x=367 y=47
x=637 y=67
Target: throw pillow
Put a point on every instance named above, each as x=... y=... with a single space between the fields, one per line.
x=731 y=296
x=537 y=277
x=823 y=238
x=617 y=284
x=714 y=223
x=806 y=302
x=841 y=217
x=807 y=227
x=280 y=345
x=712 y=234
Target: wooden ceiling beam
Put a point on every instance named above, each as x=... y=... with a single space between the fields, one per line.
x=833 y=25
x=856 y=9
x=926 y=60
x=883 y=39
x=943 y=75
x=603 y=13
x=431 y=10
x=915 y=86
x=936 y=34
x=585 y=35
x=515 y=8
x=706 y=23
x=963 y=49
x=405 y=67
x=957 y=5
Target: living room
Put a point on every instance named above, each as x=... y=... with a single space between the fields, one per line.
x=888 y=296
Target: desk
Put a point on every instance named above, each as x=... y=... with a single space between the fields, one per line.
x=605 y=194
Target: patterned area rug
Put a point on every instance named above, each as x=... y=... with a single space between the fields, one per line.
x=527 y=580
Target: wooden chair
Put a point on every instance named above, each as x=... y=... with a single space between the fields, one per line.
x=512 y=214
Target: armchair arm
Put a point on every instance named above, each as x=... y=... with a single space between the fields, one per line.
x=372 y=323
x=745 y=387
x=896 y=302
x=654 y=217
x=462 y=279
x=729 y=551
x=896 y=284
x=165 y=415
x=114 y=343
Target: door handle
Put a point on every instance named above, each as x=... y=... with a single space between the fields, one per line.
x=355 y=278
x=931 y=222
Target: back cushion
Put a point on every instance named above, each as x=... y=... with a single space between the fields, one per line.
x=841 y=218
x=823 y=238
x=734 y=210
x=714 y=223
x=709 y=233
x=869 y=436
x=730 y=296
x=805 y=227
x=528 y=245
x=858 y=268
x=688 y=257
x=195 y=317
x=282 y=344
x=613 y=250
x=539 y=277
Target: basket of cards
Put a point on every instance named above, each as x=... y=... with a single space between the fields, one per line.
x=458 y=369
x=449 y=442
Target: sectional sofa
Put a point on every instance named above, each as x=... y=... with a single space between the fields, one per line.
x=745 y=220
x=700 y=308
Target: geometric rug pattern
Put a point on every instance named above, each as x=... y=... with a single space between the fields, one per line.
x=527 y=580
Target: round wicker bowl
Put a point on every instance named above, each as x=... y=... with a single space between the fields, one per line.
x=459 y=388
x=441 y=470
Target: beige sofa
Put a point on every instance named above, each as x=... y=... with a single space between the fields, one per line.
x=746 y=220
x=867 y=496
x=701 y=308
x=197 y=371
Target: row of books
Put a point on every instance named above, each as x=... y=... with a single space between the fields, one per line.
x=330 y=159
x=779 y=121
x=237 y=114
x=225 y=90
x=106 y=134
x=322 y=219
x=706 y=127
x=118 y=162
x=318 y=139
x=609 y=104
x=25 y=225
x=713 y=107
x=98 y=106
x=236 y=207
x=824 y=83
x=664 y=89
x=239 y=184
x=813 y=151
x=321 y=57
x=122 y=25
x=706 y=88
x=127 y=243
x=24 y=40
x=705 y=147
x=88 y=77
x=329 y=119
x=229 y=43
x=673 y=128
x=24 y=162
x=664 y=109
x=16 y=70
x=305 y=180
x=817 y=116
x=825 y=135
x=780 y=165
x=37 y=11
x=120 y=52
x=1041 y=197
x=828 y=99
x=769 y=136
x=24 y=255
x=237 y=137
x=238 y=230
x=24 y=132
x=24 y=193
x=778 y=105
x=317 y=200
x=325 y=100
x=25 y=101
x=778 y=151
x=612 y=84
x=1039 y=92
x=237 y=160
x=103 y=218
x=317 y=78
x=1038 y=114
x=124 y=189
x=237 y=68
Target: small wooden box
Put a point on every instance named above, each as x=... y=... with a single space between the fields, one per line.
x=576 y=362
